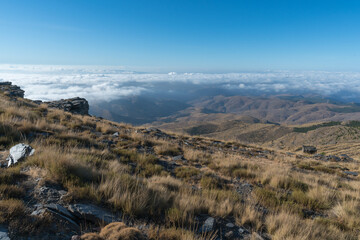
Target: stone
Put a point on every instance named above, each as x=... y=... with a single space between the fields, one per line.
x=229 y=235
x=59 y=209
x=309 y=149
x=351 y=173
x=178 y=158
x=116 y=134
x=49 y=195
x=92 y=213
x=345 y=158
x=208 y=224
x=19 y=152
x=4 y=233
x=241 y=230
x=333 y=158
x=61 y=217
x=76 y=237
x=74 y=105
x=230 y=225
x=11 y=90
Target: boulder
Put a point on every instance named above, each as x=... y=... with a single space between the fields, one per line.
x=18 y=153
x=74 y=105
x=11 y=90
x=4 y=233
x=49 y=195
x=208 y=225
x=309 y=149
x=91 y=213
x=333 y=158
x=351 y=173
x=345 y=158
x=230 y=225
x=178 y=158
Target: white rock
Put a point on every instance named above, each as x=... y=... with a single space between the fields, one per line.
x=208 y=224
x=19 y=152
x=4 y=233
x=230 y=225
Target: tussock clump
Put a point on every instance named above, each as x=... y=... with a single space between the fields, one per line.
x=91 y=236
x=112 y=228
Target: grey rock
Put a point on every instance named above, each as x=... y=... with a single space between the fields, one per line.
x=62 y=218
x=19 y=152
x=116 y=134
x=241 y=230
x=351 y=173
x=345 y=158
x=60 y=209
x=4 y=233
x=230 y=225
x=333 y=158
x=208 y=224
x=74 y=105
x=11 y=90
x=49 y=195
x=309 y=149
x=91 y=213
x=178 y=158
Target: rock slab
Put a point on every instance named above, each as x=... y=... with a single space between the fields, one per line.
x=74 y=105
x=91 y=213
x=18 y=153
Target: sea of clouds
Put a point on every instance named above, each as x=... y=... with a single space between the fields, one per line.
x=98 y=83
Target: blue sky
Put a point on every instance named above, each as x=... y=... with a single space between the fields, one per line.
x=183 y=35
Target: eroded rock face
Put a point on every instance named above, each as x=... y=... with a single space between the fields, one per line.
x=11 y=90
x=91 y=213
x=74 y=105
x=309 y=149
x=19 y=152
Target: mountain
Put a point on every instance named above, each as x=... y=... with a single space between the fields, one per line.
x=281 y=109
x=71 y=176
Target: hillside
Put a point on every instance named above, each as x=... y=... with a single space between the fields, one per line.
x=286 y=109
x=87 y=172
x=281 y=109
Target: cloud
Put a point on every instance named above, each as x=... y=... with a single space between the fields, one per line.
x=97 y=83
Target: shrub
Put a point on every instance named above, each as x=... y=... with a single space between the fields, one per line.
x=210 y=182
x=167 y=150
x=186 y=172
x=11 y=191
x=109 y=230
x=11 y=209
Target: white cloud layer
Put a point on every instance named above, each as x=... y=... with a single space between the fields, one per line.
x=109 y=83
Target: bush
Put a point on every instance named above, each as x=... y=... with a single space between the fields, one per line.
x=186 y=172
x=11 y=209
x=11 y=191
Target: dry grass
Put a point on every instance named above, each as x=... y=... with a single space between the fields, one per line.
x=125 y=179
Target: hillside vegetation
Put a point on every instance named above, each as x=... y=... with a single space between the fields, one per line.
x=165 y=186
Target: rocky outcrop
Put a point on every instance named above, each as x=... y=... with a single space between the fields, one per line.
x=309 y=149
x=91 y=213
x=74 y=105
x=18 y=153
x=11 y=90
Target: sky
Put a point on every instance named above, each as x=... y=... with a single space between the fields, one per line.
x=160 y=36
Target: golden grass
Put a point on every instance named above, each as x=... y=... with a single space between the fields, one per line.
x=134 y=183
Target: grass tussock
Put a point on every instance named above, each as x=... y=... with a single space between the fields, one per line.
x=282 y=196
